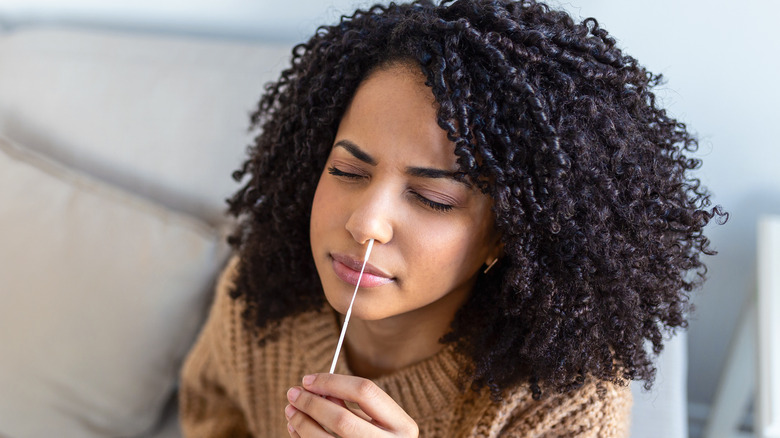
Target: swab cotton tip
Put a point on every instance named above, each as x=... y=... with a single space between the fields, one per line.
x=368 y=252
x=349 y=310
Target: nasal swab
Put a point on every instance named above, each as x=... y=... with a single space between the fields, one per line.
x=349 y=310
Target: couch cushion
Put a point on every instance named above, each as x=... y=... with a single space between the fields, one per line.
x=102 y=295
x=159 y=115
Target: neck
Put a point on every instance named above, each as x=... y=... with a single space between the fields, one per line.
x=377 y=348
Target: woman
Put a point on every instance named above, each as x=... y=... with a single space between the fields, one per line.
x=534 y=219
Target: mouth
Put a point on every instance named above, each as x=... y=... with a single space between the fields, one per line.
x=347 y=269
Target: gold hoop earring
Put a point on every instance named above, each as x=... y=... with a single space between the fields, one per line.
x=490 y=265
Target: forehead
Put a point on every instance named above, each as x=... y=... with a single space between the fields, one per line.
x=393 y=112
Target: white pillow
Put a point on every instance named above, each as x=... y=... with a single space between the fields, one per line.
x=101 y=295
x=83 y=96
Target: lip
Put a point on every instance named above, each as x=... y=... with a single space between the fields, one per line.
x=347 y=269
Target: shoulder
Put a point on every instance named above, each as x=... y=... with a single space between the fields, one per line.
x=236 y=334
x=223 y=322
x=228 y=312
x=597 y=409
x=235 y=345
x=225 y=284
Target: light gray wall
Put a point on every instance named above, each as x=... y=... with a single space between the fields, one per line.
x=280 y=20
x=719 y=58
x=722 y=69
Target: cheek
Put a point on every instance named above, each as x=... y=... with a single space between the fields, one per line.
x=321 y=211
x=329 y=211
x=448 y=255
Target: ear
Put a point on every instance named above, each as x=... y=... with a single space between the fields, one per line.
x=496 y=252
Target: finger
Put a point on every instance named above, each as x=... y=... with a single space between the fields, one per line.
x=301 y=425
x=292 y=432
x=338 y=401
x=372 y=400
x=351 y=406
x=289 y=411
x=328 y=415
x=354 y=407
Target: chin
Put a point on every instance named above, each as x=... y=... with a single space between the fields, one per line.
x=363 y=309
x=338 y=297
x=337 y=305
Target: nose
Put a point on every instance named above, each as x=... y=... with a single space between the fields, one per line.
x=372 y=218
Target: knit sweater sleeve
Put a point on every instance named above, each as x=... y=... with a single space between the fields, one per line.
x=208 y=399
x=600 y=410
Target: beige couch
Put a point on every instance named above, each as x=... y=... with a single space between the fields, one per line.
x=116 y=151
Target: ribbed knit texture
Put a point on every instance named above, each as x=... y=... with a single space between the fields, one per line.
x=231 y=387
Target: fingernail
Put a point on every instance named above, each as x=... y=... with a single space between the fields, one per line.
x=289 y=411
x=293 y=394
x=308 y=380
x=290 y=428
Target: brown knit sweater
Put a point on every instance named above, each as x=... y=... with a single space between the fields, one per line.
x=230 y=387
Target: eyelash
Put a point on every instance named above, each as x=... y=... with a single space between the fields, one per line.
x=436 y=206
x=336 y=172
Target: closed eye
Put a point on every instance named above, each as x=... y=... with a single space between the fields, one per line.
x=337 y=172
x=437 y=206
x=433 y=205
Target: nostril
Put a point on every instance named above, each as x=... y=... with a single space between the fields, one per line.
x=364 y=227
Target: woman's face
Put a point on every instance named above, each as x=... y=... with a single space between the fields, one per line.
x=389 y=178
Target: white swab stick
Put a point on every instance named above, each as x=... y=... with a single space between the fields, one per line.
x=349 y=310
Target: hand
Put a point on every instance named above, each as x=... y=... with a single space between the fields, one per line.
x=319 y=409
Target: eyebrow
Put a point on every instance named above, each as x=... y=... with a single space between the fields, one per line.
x=358 y=153
x=419 y=172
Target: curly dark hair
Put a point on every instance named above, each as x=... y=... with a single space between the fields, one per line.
x=600 y=218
